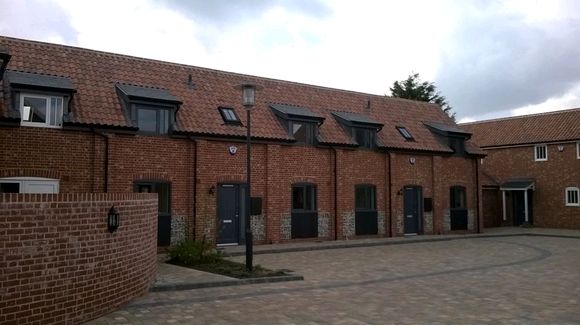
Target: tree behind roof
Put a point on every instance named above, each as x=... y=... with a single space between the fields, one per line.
x=413 y=88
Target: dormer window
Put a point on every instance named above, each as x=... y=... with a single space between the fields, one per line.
x=454 y=136
x=300 y=123
x=152 y=110
x=405 y=133
x=364 y=137
x=229 y=115
x=38 y=110
x=41 y=100
x=363 y=129
x=457 y=145
x=303 y=132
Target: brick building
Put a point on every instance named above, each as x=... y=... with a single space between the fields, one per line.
x=532 y=172
x=326 y=163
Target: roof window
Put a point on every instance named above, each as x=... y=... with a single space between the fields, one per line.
x=229 y=115
x=405 y=133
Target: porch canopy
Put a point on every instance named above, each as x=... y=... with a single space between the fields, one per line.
x=517 y=185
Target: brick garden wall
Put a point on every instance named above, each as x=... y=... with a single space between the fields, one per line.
x=60 y=264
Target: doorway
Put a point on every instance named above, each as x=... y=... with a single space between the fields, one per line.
x=412 y=209
x=163 y=191
x=231 y=213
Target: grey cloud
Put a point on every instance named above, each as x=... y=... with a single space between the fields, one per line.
x=228 y=12
x=499 y=62
x=35 y=19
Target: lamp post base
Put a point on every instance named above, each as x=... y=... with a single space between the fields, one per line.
x=249 y=251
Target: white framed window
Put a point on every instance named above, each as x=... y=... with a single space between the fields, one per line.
x=29 y=185
x=578 y=150
x=572 y=196
x=38 y=110
x=541 y=152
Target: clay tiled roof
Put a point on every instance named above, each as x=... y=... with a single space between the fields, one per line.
x=528 y=129
x=94 y=75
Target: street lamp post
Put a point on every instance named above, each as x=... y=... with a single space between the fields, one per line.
x=248 y=95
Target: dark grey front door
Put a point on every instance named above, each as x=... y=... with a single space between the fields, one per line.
x=229 y=213
x=412 y=209
x=520 y=208
x=163 y=189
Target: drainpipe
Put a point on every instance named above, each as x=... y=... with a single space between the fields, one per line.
x=195 y=145
x=477 y=228
x=106 y=163
x=335 y=196
x=389 y=226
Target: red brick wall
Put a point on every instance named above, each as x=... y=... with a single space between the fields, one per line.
x=153 y=158
x=77 y=160
x=359 y=166
x=561 y=170
x=492 y=210
x=60 y=264
x=71 y=156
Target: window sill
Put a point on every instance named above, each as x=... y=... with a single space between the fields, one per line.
x=38 y=125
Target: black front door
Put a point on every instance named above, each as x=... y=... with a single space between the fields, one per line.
x=365 y=216
x=230 y=211
x=304 y=217
x=412 y=209
x=519 y=203
x=458 y=208
x=163 y=190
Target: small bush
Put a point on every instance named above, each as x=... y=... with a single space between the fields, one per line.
x=190 y=253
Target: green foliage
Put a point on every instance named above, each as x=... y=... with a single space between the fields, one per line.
x=191 y=253
x=413 y=88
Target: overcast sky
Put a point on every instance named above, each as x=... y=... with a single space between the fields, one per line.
x=489 y=58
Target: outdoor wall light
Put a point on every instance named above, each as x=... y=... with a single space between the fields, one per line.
x=212 y=190
x=113 y=219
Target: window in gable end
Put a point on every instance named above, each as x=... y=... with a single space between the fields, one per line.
x=41 y=110
x=229 y=115
x=541 y=152
x=405 y=133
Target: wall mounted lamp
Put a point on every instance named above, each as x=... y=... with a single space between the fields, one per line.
x=113 y=219
x=212 y=190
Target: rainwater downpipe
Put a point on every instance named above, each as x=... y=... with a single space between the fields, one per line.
x=195 y=145
x=335 y=196
x=389 y=226
x=106 y=163
x=477 y=199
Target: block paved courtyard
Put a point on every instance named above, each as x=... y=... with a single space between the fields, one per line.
x=503 y=280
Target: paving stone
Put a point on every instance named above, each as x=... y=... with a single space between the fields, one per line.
x=507 y=280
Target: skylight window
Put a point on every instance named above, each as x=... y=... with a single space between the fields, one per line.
x=405 y=133
x=229 y=116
